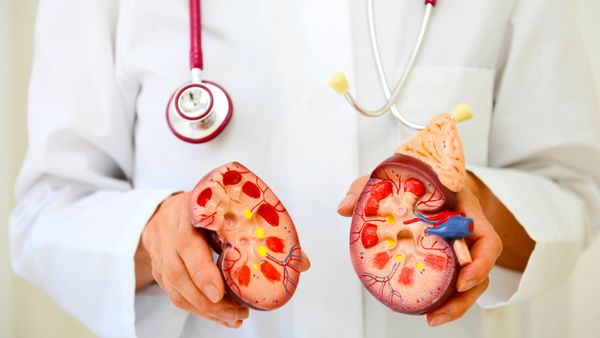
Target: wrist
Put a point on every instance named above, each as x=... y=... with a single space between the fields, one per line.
x=143 y=266
x=142 y=258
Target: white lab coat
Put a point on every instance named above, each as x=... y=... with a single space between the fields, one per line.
x=101 y=157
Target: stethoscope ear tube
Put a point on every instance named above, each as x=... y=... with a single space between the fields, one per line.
x=391 y=99
x=339 y=83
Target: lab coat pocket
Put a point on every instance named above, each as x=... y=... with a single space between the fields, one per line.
x=432 y=90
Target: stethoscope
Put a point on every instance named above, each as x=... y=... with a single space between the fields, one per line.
x=339 y=83
x=199 y=110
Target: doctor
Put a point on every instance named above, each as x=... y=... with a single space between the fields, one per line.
x=98 y=199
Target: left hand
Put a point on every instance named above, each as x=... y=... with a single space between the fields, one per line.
x=485 y=247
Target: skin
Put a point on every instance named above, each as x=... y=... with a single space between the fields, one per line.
x=517 y=243
x=175 y=255
x=486 y=244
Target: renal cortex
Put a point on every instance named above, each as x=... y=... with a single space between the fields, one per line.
x=406 y=240
x=247 y=225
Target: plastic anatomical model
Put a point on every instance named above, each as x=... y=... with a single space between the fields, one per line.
x=406 y=242
x=247 y=225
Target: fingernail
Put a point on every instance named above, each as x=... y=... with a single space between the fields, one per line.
x=346 y=201
x=211 y=292
x=229 y=314
x=439 y=319
x=468 y=285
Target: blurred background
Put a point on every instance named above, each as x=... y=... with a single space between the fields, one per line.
x=25 y=312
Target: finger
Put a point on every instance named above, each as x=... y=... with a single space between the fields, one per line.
x=186 y=296
x=346 y=206
x=456 y=306
x=304 y=263
x=181 y=302
x=225 y=318
x=238 y=323
x=178 y=300
x=485 y=251
x=197 y=257
x=243 y=313
x=233 y=325
x=486 y=244
x=176 y=276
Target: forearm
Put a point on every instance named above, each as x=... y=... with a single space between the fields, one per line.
x=517 y=243
x=58 y=228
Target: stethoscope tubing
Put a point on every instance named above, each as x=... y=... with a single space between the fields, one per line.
x=196 y=56
x=209 y=118
x=391 y=98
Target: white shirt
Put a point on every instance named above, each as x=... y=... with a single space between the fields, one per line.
x=101 y=156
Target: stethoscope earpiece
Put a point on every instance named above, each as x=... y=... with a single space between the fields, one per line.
x=339 y=83
x=199 y=110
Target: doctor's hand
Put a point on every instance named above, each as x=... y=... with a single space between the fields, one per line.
x=178 y=258
x=485 y=247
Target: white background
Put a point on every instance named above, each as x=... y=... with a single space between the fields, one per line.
x=571 y=311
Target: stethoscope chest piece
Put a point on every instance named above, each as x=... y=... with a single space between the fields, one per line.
x=198 y=112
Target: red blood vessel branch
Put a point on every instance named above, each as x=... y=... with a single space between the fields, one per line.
x=290 y=262
x=384 y=284
x=260 y=254
x=229 y=264
x=394 y=259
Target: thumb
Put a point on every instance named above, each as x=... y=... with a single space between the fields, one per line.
x=346 y=206
x=197 y=256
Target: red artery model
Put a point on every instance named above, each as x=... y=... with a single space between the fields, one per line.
x=406 y=241
x=247 y=225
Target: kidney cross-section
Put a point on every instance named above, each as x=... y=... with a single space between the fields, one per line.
x=405 y=268
x=259 y=252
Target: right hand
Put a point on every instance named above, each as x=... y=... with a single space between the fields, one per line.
x=182 y=264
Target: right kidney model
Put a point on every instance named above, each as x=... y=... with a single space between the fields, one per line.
x=406 y=240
